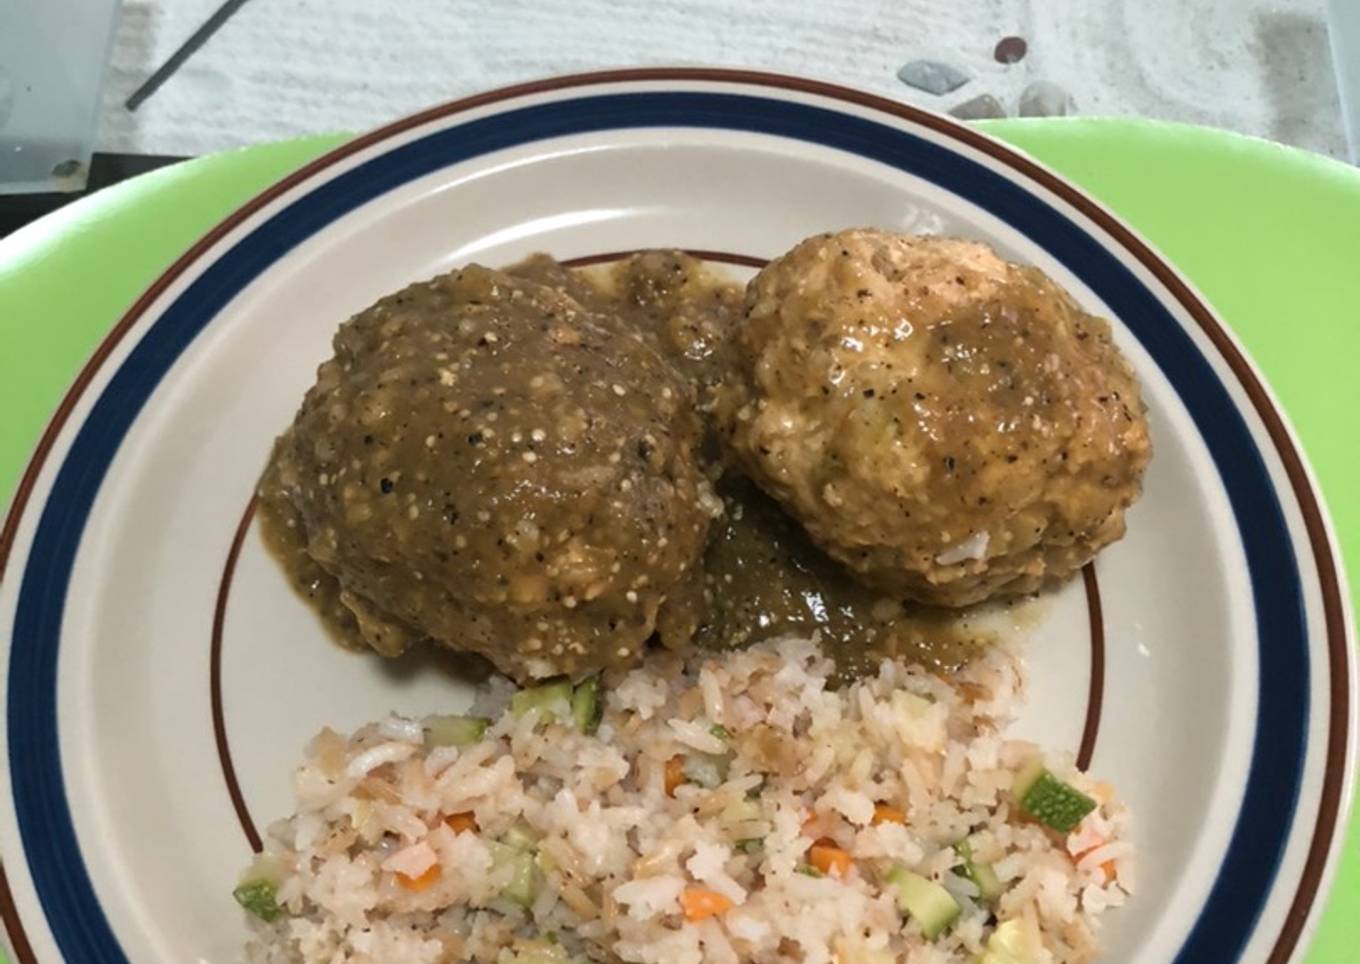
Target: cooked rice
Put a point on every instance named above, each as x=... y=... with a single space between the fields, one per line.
x=616 y=853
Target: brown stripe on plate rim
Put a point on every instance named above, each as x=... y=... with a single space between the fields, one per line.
x=724 y=257
x=14 y=926
x=1095 y=693
x=1319 y=542
x=219 y=721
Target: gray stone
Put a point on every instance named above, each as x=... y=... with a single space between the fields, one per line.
x=932 y=76
x=1043 y=98
x=982 y=107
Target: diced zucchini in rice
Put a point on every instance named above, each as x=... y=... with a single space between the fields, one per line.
x=924 y=901
x=522 y=886
x=258 y=889
x=1057 y=805
x=260 y=897
x=1008 y=944
x=552 y=700
x=709 y=770
x=980 y=873
x=517 y=852
x=521 y=836
x=454 y=730
x=587 y=705
x=557 y=699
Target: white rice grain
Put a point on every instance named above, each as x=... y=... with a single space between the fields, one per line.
x=369 y=760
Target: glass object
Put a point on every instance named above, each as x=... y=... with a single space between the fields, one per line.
x=53 y=55
x=1345 y=34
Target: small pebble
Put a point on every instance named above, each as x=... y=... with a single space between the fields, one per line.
x=932 y=77
x=982 y=107
x=1043 y=98
x=1010 y=50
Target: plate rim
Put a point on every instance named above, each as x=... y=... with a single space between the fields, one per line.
x=1336 y=790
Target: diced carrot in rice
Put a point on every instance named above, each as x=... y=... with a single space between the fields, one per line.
x=462 y=822
x=886 y=813
x=422 y=882
x=700 y=904
x=830 y=860
x=675 y=774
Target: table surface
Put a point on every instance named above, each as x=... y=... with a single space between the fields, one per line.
x=1270 y=235
x=290 y=68
x=282 y=69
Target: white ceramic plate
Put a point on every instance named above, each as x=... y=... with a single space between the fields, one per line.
x=161 y=678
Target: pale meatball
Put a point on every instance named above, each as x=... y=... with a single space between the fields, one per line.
x=950 y=426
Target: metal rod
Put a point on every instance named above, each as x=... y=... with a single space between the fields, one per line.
x=186 y=50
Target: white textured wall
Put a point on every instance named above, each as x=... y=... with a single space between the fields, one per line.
x=288 y=67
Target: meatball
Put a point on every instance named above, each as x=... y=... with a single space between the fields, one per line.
x=486 y=463
x=948 y=425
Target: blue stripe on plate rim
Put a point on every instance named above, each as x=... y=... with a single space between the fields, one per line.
x=1244 y=881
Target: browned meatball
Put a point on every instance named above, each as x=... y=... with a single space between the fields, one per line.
x=949 y=425
x=486 y=463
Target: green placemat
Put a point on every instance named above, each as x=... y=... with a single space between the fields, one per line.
x=1270 y=235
